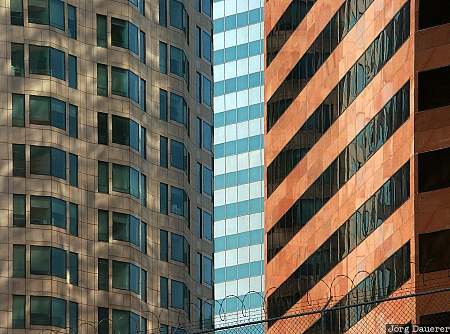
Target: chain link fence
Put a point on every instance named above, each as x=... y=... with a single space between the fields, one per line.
x=410 y=309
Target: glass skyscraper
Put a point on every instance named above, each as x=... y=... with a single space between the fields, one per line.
x=239 y=174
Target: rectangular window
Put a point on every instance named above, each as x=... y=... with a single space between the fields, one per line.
x=198 y=267
x=178 y=201
x=121 y=275
x=102 y=80
x=73 y=170
x=48 y=261
x=180 y=249
x=143 y=95
x=19 y=212
x=73 y=216
x=103 y=177
x=47 y=61
x=18 y=110
x=103 y=225
x=198 y=177
x=47 y=12
x=163 y=245
x=143 y=247
x=18 y=152
x=101 y=31
x=143 y=143
x=73 y=72
x=207 y=135
x=207 y=271
x=434 y=86
x=433 y=171
x=206 y=91
x=179 y=295
x=207 y=181
x=71 y=21
x=19 y=260
x=207 y=226
x=164 y=292
x=16 y=12
x=18 y=311
x=102 y=128
x=163 y=152
x=163 y=103
x=73 y=121
x=433 y=13
x=48 y=161
x=73 y=268
x=73 y=318
x=46 y=110
x=179 y=17
x=163 y=198
x=198 y=133
x=163 y=57
x=434 y=253
x=17 y=60
x=178 y=155
x=142 y=47
x=125 y=83
x=103 y=320
x=179 y=64
x=206 y=46
x=178 y=109
x=103 y=274
x=162 y=13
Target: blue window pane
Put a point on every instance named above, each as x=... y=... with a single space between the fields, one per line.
x=133 y=80
x=57 y=61
x=133 y=37
x=58 y=113
x=57 y=14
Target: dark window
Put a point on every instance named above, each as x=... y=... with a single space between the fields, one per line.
x=207 y=135
x=18 y=110
x=73 y=318
x=125 y=35
x=72 y=21
x=163 y=57
x=163 y=245
x=178 y=109
x=46 y=110
x=48 y=261
x=102 y=80
x=142 y=47
x=101 y=31
x=47 y=311
x=103 y=177
x=46 y=210
x=163 y=199
x=19 y=260
x=125 y=132
x=436 y=319
x=47 y=12
x=178 y=201
x=207 y=224
x=179 y=64
x=178 y=155
x=179 y=17
x=73 y=71
x=18 y=310
x=207 y=181
x=164 y=292
x=18 y=152
x=127 y=180
x=434 y=253
x=19 y=212
x=125 y=83
x=433 y=13
x=103 y=225
x=163 y=105
x=139 y=4
x=73 y=215
x=163 y=13
x=319 y=51
x=207 y=272
x=103 y=320
x=180 y=249
x=163 y=152
x=73 y=170
x=102 y=128
x=73 y=121
x=127 y=228
x=179 y=295
x=103 y=274
x=433 y=171
x=16 y=11
x=47 y=61
x=434 y=86
x=73 y=268
x=48 y=161
x=17 y=60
